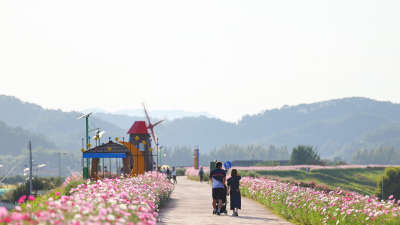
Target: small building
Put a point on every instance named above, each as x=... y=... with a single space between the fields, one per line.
x=318 y=162
x=122 y=150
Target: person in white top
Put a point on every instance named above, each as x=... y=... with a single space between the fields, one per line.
x=174 y=175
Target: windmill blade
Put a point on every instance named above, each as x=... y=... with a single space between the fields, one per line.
x=156 y=141
x=154 y=136
x=159 y=122
x=145 y=111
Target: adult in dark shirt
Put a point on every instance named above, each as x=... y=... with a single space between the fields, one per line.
x=233 y=185
x=218 y=179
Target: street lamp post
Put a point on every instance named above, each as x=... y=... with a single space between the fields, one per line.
x=30 y=169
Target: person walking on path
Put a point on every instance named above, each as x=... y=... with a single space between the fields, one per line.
x=174 y=175
x=233 y=185
x=201 y=174
x=218 y=179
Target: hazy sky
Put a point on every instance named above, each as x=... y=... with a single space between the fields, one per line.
x=228 y=58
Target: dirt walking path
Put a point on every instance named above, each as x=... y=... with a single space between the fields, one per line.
x=190 y=203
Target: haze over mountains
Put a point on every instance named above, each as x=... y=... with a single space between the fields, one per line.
x=336 y=127
x=172 y=114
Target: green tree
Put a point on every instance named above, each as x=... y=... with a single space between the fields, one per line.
x=391 y=183
x=303 y=155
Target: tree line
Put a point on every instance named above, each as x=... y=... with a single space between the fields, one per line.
x=183 y=155
x=380 y=155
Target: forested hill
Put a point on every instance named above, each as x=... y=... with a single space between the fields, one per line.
x=60 y=127
x=13 y=140
x=336 y=127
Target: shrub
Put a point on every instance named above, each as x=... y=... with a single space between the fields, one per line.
x=391 y=183
x=180 y=172
x=303 y=155
x=322 y=187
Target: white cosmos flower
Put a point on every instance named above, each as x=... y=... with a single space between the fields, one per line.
x=110 y=217
x=122 y=206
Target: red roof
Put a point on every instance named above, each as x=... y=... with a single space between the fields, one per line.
x=139 y=127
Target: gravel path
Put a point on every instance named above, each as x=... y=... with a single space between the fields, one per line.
x=190 y=204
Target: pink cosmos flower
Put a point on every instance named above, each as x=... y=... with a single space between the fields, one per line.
x=3 y=212
x=31 y=198
x=22 y=199
x=57 y=193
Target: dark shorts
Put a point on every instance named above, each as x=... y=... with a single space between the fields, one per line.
x=174 y=177
x=218 y=193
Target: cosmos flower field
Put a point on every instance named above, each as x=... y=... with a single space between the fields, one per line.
x=129 y=200
x=309 y=206
x=305 y=205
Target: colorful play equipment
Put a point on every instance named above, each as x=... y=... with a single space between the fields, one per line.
x=136 y=153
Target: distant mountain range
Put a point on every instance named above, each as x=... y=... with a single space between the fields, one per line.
x=171 y=114
x=336 y=127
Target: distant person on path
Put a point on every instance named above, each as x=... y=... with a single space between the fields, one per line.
x=174 y=175
x=201 y=174
x=233 y=183
x=218 y=179
x=168 y=172
x=164 y=171
x=105 y=169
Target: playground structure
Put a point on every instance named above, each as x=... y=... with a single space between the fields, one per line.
x=136 y=153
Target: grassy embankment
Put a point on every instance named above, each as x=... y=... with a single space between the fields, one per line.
x=180 y=171
x=361 y=180
x=40 y=202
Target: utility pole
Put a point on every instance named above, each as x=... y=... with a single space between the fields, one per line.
x=30 y=169
x=382 y=182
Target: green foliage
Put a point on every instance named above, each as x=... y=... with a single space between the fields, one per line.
x=13 y=179
x=39 y=202
x=206 y=177
x=71 y=185
x=268 y=163
x=180 y=171
x=38 y=183
x=391 y=183
x=303 y=155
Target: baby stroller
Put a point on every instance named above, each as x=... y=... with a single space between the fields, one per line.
x=224 y=202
